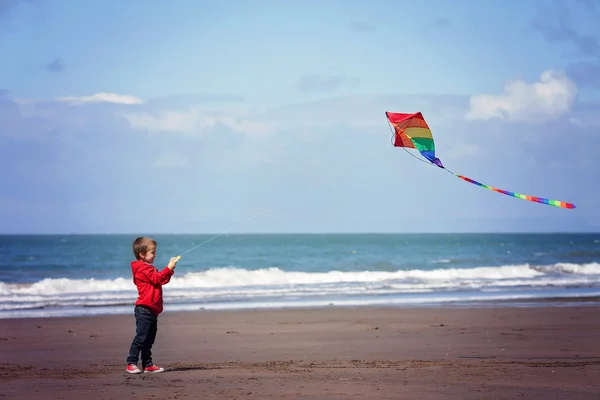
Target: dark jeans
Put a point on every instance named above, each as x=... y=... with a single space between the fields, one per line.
x=146 y=325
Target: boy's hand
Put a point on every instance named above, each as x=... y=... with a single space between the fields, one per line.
x=173 y=263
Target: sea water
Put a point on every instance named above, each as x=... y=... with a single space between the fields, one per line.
x=58 y=275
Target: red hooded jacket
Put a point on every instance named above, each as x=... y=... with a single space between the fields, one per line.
x=149 y=283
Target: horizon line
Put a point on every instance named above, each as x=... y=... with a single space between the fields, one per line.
x=293 y=233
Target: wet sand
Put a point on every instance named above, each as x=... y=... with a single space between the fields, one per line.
x=327 y=353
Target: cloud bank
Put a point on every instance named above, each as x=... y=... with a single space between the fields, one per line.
x=549 y=99
x=104 y=162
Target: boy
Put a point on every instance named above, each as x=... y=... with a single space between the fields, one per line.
x=149 y=304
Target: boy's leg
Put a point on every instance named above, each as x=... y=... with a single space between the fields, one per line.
x=150 y=338
x=143 y=322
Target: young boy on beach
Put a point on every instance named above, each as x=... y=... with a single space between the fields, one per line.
x=149 y=305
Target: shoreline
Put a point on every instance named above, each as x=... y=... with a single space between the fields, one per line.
x=123 y=309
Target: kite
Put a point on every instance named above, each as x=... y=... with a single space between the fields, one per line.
x=412 y=132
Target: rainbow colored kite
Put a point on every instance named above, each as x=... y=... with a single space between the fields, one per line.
x=412 y=132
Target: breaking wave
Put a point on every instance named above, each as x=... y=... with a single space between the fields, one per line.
x=274 y=285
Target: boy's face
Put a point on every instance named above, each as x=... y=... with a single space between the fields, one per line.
x=150 y=255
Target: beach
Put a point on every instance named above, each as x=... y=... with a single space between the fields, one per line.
x=545 y=352
x=333 y=316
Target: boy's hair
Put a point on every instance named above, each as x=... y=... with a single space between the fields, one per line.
x=141 y=246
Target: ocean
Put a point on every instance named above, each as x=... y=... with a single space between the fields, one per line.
x=54 y=275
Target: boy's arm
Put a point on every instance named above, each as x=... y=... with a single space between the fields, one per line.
x=150 y=274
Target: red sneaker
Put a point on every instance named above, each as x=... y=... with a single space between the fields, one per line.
x=153 y=369
x=133 y=369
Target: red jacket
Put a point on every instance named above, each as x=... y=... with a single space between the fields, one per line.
x=149 y=283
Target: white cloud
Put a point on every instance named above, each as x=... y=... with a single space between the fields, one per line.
x=102 y=98
x=193 y=121
x=545 y=100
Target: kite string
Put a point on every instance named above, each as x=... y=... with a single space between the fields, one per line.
x=327 y=178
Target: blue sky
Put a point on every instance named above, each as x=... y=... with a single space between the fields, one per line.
x=193 y=116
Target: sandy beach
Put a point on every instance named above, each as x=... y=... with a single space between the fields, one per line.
x=341 y=353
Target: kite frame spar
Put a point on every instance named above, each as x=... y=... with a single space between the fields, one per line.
x=411 y=131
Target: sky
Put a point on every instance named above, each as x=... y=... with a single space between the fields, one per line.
x=269 y=116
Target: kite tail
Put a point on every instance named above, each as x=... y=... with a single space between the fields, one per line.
x=555 y=203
